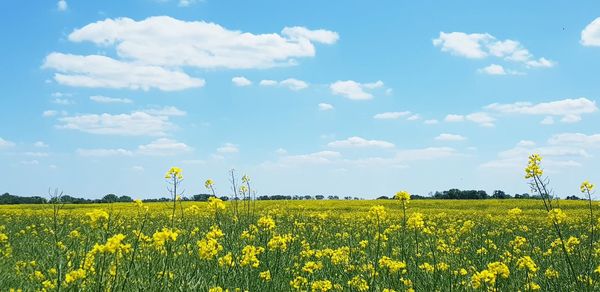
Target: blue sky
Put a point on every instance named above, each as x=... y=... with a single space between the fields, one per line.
x=312 y=97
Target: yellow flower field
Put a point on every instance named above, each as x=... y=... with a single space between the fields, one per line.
x=245 y=245
x=295 y=245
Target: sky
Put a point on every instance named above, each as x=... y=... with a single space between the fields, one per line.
x=356 y=98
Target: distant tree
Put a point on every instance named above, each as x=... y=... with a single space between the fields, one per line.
x=319 y=197
x=201 y=197
x=125 y=199
x=573 y=197
x=347 y=198
x=307 y=197
x=224 y=198
x=383 y=198
x=498 y=194
x=110 y=198
x=333 y=198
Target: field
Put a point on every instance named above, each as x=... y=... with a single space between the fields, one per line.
x=382 y=245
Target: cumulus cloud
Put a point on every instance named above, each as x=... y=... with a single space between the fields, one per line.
x=5 y=143
x=158 y=147
x=166 y=41
x=241 y=81
x=165 y=111
x=354 y=90
x=106 y=99
x=480 y=118
x=99 y=152
x=290 y=83
x=228 y=148
x=134 y=124
x=62 y=5
x=557 y=155
x=431 y=122
x=590 y=35
x=576 y=139
x=321 y=157
x=569 y=109
x=49 y=113
x=325 y=107
x=63 y=101
x=391 y=115
x=482 y=45
x=95 y=71
x=358 y=142
x=163 y=147
x=450 y=137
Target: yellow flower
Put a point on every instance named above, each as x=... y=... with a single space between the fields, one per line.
x=321 y=286
x=311 y=267
x=216 y=204
x=209 y=184
x=280 y=242
x=551 y=273
x=208 y=248
x=515 y=212
x=526 y=263
x=97 y=216
x=556 y=215
x=427 y=267
x=298 y=282
x=358 y=283
x=403 y=196
x=415 y=221
x=216 y=289
x=249 y=256
x=586 y=187
x=392 y=265
x=499 y=269
x=533 y=167
x=377 y=213
x=226 y=260
x=266 y=223
x=174 y=173
x=265 y=276
x=74 y=276
x=160 y=238
x=484 y=277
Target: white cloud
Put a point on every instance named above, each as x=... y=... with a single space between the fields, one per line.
x=290 y=83
x=97 y=71
x=166 y=41
x=556 y=156
x=575 y=139
x=241 y=81
x=413 y=117
x=354 y=90
x=570 y=109
x=228 y=148
x=450 y=137
x=5 y=143
x=493 y=69
x=590 y=35
x=480 y=118
x=358 y=142
x=547 y=121
x=281 y=151
x=61 y=5
x=134 y=124
x=163 y=147
x=431 y=122
x=165 y=111
x=268 y=82
x=325 y=107
x=30 y=162
x=187 y=3
x=293 y=84
x=462 y=44
x=158 y=147
x=49 y=113
x=106 y=99
x=63 y=101
x=391 y=115
x=322 y=157
x=99 y=152
x=40 y=144
x=454 y=118
x=479 y=46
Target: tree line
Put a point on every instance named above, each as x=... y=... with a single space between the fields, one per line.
x=451 y=194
